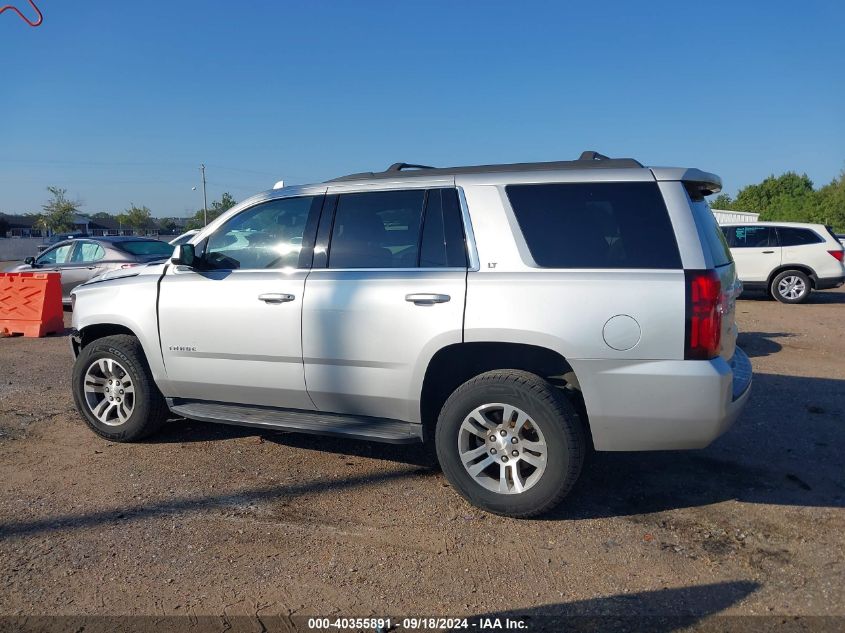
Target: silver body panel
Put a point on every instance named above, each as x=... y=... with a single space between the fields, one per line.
x=350 y=342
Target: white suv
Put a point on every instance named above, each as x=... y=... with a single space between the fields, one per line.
x=786 y=259
x=512 y=315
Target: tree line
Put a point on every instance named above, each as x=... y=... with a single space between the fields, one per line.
x=790 y=197
x=58 y=213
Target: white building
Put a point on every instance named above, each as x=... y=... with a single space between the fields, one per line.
x=731 y=217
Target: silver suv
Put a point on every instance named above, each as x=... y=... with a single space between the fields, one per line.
x=513 y=315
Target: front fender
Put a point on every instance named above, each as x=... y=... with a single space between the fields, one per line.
x=129 y=302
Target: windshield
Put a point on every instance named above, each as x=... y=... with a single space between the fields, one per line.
x=146 y=248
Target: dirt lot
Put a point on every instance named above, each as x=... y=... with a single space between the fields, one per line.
x=217 y=520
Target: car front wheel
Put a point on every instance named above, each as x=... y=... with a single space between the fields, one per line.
x=510 y=443
x=114 y=390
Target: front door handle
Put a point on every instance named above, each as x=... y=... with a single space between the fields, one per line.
x=275 y=297
x=767 y=252
x=426 y=299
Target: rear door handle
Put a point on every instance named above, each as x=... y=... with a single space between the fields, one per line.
x=275 y=297
x=426 y=299
x=767 y=252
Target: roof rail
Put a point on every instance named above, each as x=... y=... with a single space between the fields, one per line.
x=587 y=160
x=401 y=166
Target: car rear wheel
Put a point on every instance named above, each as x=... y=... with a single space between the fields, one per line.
x=791 y=286
x=510 y=443
x=114 y=390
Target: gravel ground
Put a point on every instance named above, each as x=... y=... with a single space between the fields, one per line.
x=226 y=521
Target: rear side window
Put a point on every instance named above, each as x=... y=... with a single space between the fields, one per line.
x=595 y=225
x=88 y=252
x=443 y=234
x=791 y=236
x=751 y=236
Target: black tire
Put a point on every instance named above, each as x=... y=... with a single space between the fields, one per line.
x=149 y=409
x=802 y=279
x=552 y=414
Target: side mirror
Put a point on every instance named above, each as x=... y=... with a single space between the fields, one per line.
x=29 y=261
x=184 y=255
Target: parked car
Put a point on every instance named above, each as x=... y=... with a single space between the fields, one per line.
x=184 y=238
x=59 y=237
x=83 y=258
x=505 y=313
x=786 y=259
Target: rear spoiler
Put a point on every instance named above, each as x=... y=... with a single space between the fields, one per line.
x=701 y=182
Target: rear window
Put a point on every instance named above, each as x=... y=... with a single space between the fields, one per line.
x=791 y=236
x=714 y=236
x=595 y=225
x=146 y=248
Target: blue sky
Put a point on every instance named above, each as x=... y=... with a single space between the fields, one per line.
x=120 y=102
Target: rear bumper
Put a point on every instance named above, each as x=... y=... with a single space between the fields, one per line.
x=662 y=405
x=825 y=283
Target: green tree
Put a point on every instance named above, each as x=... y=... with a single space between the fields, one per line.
x=830 y=204
x=136 y=217
x=215 y=209
x=786 y=197
x=722 y=201
x=58 y=212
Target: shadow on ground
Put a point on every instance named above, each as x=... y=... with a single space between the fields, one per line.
x=658 y=611
x=817 y=296
x=785 y=450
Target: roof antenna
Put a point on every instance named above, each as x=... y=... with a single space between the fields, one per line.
x=22 y=16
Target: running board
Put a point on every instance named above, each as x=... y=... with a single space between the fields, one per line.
x=353 y=426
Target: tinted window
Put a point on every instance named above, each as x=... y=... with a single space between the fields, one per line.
x=146 y=248
x=379 y=229
x=88 y=252
x=443 y=234
x=751 y=236
x=59 y=255
x=595 y=225
x=791 y=236
x=714 y=236
x=268 y=235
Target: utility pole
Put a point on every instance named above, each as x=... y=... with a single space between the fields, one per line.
x=204 y=199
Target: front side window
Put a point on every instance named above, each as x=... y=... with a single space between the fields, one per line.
x=595 y=225
x=268 y=235
x=379 y=229
x=59 y=255
x=791 y=236
x=751 y=237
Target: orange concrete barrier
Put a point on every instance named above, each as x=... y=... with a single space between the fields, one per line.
x=31 y=304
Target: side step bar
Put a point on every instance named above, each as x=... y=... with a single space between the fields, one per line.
x=353 y=426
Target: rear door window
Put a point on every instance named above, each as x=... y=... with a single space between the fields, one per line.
x=378 y=229
x=792 y=236
x=595 y=225
x=87 y=252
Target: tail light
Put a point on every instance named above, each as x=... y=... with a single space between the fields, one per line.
x=837 y=254
x=704 y=315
